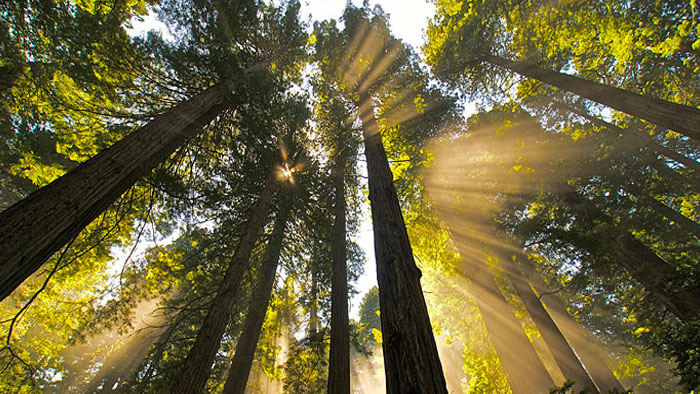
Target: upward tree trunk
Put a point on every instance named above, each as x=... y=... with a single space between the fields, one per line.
x=564 y=355
x=411 y=361
x=685 y=223
x=642 y=139
x=313 y=318
x=194 y=373
x=34 y=228
x=586 y=347
x=677 y=117
x=339 y=358
x=522 y=365
x=245 y=348
x=658 y=277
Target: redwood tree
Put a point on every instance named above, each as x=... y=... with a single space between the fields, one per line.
x=195 y=371
x=247 y=342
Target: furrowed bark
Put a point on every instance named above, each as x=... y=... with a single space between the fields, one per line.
x=39 y=225
x=195 y=372
x=339 y=357
x=245 y=348
x=564 y=355
x=411 y=359
x=673 y=116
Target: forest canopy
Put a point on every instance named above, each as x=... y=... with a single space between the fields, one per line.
x=200 y=209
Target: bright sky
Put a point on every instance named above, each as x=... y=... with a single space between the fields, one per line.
x=408 y=21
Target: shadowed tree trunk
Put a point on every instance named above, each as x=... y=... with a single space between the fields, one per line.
x=158 y=353
x=676 y=117
x=8 y=76
x=247 y=342
x=685 y=223
x=195 y=371
x=339 y=358
x=585 y=347
x=411 y=361
x=641 y=139
x=564 y=355
x=39 y=225
x=313 y=307
x=522 y=365
x=663 y=170
x=658 y=277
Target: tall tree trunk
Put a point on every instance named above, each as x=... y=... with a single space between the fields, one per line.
x=641 y=139
x=411 y=361
x=673 y=116
x=663 y=170
x=339 y=358
x=195 y=372
x=247 y=342
x=522 y=365
x=564 y=355
x=313 y=308
x=585 y=347
x=685 y=223
x=658 y=277
x=37 y=226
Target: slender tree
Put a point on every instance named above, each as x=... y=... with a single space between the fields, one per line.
x=585 y=347
x=654 y=273
x=669 y=115
x=521 y=364
x=642 y=139
x=247 y=342
x=565 y=357
x=339 y=359
x=195 y=371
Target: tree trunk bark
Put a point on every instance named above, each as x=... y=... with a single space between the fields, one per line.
x=195 y=371
x=584 y=346
x=642 y=139
x=339 y=358
x=522 y=365
x=673 y=116
x=245 y=348
x=39 y=225
x=564 y=355
x=658 y=277
x=411 y=359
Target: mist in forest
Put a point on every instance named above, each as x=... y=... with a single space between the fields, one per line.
x=109 y=358
x=473 y=177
